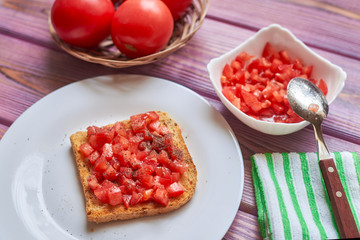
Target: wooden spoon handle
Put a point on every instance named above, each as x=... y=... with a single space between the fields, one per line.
x=339 y=203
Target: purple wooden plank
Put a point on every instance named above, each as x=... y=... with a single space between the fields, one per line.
x=329 y=30
x=245 y=226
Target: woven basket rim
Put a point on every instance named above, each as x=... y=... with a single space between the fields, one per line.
x=190 y=24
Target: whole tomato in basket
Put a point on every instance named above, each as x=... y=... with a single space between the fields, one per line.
x=141 y=27
x=82 y=23
x=177 y=7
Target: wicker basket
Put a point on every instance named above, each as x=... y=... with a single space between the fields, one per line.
x=107 y=54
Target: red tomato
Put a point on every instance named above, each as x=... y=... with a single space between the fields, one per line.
x=141 y=27
x=177 y=7
x=82 y=23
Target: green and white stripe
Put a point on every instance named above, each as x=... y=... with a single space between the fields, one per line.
x=291 y=198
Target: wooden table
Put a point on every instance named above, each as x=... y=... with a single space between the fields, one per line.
x=32 y=66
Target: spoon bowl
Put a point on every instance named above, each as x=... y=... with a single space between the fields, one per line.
x=307 y=100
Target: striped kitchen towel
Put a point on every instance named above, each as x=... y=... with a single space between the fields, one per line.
x=291 y=197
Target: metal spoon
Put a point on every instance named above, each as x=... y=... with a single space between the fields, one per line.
x=308 y=101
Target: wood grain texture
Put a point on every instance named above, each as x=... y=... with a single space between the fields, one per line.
x=32 y=66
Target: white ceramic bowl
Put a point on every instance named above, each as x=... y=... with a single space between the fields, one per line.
x=280 y=38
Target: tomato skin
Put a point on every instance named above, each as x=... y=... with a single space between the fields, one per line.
x=141 y=27
x=177 y=7
x=82 y=23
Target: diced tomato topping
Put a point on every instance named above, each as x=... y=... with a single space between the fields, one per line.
x=100 y=165
x=175 y=189
x=126 y=172
x=258 y=86
x=126 y=200
x=146 y=180
x=93 y=156
x=161 y=196
x=162 y=181
x=153 y=116
x=179 y=166
x=135 y=198
x=107 y=151
x=115 y=196
x=147 y=195
x=93 y=182
x=86 y=149
x=138 y=122
x=110 y=173
x=91 y=130
x=175 y=177
x=137 y=162
x=101 y=194
x=120 y=129
x=323 y=87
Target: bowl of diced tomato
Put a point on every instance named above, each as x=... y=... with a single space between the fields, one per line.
x=251 y=80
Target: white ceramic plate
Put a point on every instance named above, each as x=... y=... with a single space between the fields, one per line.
x=41 y=197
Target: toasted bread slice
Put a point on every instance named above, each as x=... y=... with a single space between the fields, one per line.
x=99 y=212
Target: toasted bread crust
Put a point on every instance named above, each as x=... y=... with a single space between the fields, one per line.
x=99 y=212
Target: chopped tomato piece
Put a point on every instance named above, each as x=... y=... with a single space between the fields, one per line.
x=163 y=172
x=227 y=71
x=102 y=194
x=323 y=87
x=162 y=181
x=153 y=116
x=175 y=189
x=115 y=196
x=107 y=151
x=146 y=180
x=120 y=129
x=179 y=166
x=175 y=177
x=161 y=196
x=93 y=182
x=129 y=184
x=91 y=130
x=93 y=156
x=138 y=122
x=126 y=200
x=126 y=172
x=86 y=149
x=100 y=165
x=251 y=101
x=135 y=198
x=110 y=173
x=147 y=195
x=269 y=52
